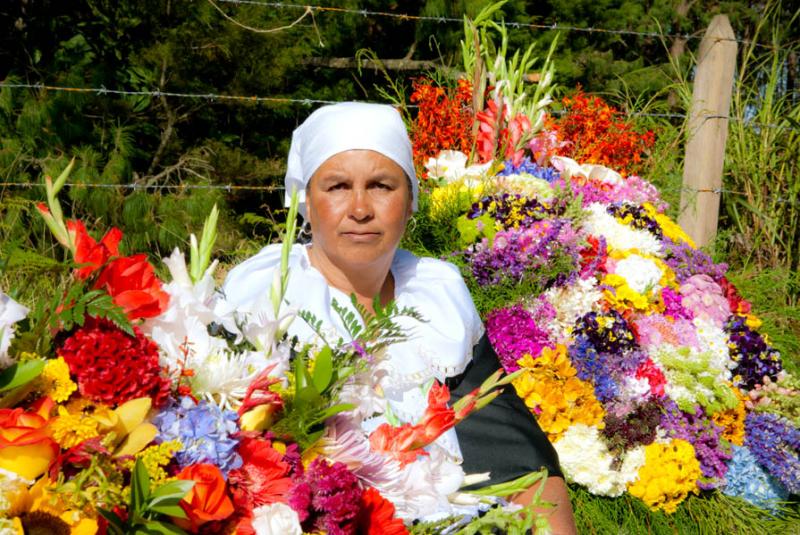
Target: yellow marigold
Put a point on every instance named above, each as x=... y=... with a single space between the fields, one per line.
x=669 y=474
x=70 y=429
x=55 y=381
x=554 y=393
x=155 y=458
x=669 y=228
x=732 y=420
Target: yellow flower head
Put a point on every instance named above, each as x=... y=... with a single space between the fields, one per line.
x=553 y=392
x=155 y=458
x=670 y=472
x=732 y=420
x=70 y=429
x=669 y=228
x=55 y=381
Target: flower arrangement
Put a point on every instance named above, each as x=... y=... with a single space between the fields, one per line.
x=637 y=356
x=138 y=406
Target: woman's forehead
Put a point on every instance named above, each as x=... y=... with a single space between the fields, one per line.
x=360 y=162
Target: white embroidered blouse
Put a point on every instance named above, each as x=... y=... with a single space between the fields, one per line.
x=438 y=348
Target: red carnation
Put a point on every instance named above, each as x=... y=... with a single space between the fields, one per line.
x=376 y=515
x=112 y=367
x=131 y=281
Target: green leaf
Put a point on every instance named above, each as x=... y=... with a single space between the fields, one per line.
x=332 y=411
x=154 y=527
x=174 y=489
x=20 y=374
x=323 y=369
x=140 y=488
x=169 y=510
x=115 y=524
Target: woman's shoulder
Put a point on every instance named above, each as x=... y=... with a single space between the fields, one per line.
x=410 y=268
x=254 y=276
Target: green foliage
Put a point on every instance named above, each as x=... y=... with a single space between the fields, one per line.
x=20 y=374
x=711 y=513
x=147 y=506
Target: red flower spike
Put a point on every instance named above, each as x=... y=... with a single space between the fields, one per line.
x=89 y=253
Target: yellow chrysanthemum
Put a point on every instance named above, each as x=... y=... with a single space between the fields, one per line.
x=55 y=381
x=554 y=393
x=732 y=420
x=622 y=297
x=70 y=429
x=669 y=228
x=454 y=197
x=669 y=474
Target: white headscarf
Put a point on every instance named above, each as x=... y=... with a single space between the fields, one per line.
x=347 y=126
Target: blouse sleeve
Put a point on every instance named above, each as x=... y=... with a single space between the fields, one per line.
x=503 y=438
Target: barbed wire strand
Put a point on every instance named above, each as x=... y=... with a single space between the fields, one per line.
x=306 y=101
x=442 y=20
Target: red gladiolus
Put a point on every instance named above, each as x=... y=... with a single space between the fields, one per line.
x=89 y=253
x=132 y=283
x=376 y=515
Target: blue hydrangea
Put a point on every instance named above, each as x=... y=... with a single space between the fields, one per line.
x=527 y=165
x=748 y=480
x=205 y=430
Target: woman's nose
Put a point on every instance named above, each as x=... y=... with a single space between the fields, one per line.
x=360 y=205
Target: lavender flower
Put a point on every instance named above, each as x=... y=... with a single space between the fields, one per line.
x=686 y=261
x=704 y=435
x=775 y=443
x=205 y=430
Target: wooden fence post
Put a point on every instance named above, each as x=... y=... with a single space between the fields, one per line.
x=708 y=131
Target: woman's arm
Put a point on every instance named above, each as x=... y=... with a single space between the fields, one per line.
x=555 y=491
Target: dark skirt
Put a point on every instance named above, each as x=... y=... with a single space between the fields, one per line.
x=503 y=438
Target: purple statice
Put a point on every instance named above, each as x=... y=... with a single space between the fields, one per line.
x=686 y=261
x=775 y=443
x=673 y=306
x=749 y=481
x=636 y=217
x=326 y=498
x=205 y=431
x=517 y=253
x=754 y=357
x=704 y=435
x=510 y=210
x=637 y=427
x=530 y=167
x=513 y=334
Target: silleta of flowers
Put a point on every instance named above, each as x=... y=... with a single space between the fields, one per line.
x=638 y=357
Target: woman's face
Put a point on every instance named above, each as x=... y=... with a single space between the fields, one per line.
x=358 y=203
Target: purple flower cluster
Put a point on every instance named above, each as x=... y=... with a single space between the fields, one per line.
x=527 y=165
x=607 y=332
x=205 y=430
x=673 y=306
x=704 y=435
x=775 y=443
x=326 y=498
x=754 y=358
x=594 y=367
x=636 y=217
x=686 y=261
x=516 y=253
x=510 y=210
x=513 y=334
x=638 y=427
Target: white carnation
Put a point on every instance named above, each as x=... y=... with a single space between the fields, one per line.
x=641 y=274
x=618 y=235
x=586 y=460
x=570 y=303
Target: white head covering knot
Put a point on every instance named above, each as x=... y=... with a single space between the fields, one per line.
x=347 y=126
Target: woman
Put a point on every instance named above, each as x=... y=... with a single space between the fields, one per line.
x=352 y=167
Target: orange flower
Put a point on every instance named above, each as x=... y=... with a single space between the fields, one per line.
x=132 y=283
x=26 y=447
x=208 y=500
